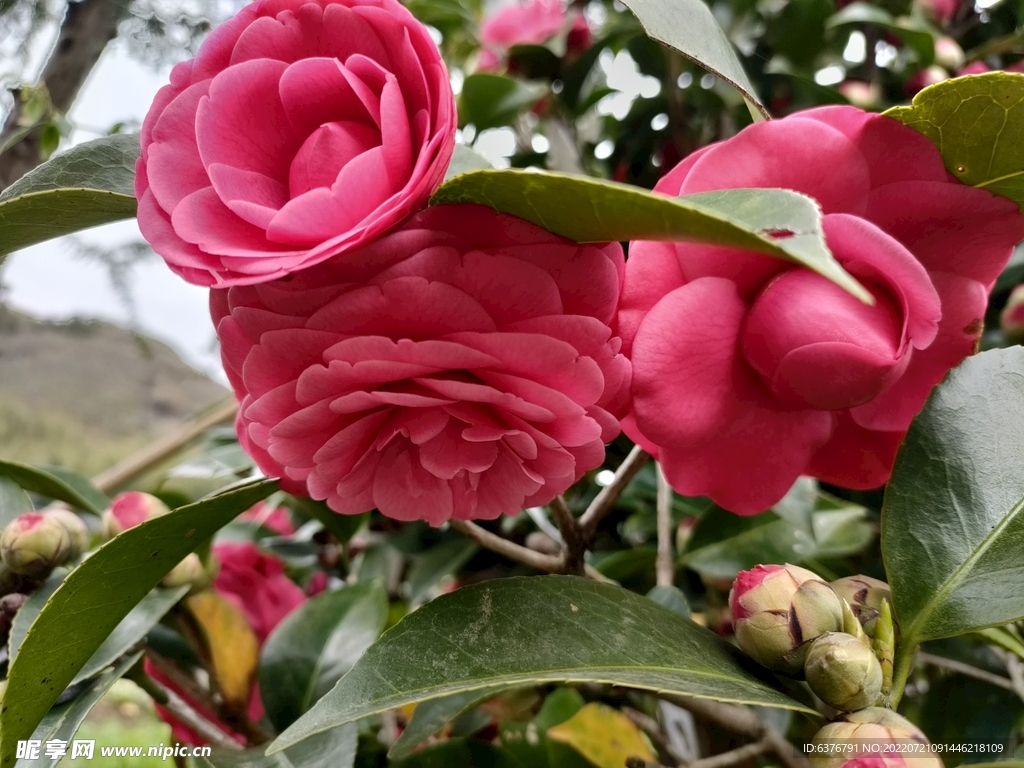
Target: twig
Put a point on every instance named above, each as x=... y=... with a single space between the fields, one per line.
x=181 y=709
x=511 y=550
x=665 y=564
x=745 y=722
x=573 y=546
x=605 y=500
x=722 y=760
x=650 y=726
x=152 y=454
x=966 y=669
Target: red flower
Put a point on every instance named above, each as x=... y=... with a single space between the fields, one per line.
x=749 y=371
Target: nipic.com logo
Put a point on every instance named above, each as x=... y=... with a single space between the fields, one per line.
x=55 y=749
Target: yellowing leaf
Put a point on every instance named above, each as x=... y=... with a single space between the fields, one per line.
x=604 y=736
x=232 y=645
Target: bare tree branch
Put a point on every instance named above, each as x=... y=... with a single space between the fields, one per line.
x=665 y=564
x=87 y=28
x=966 y=669
x=605 y=500
x=574 y=547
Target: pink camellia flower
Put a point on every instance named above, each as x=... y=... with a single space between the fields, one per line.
x=749 y=371
x=302 y=130
x=130 y=509
x=275 y=518
x=256 y=584
x=531 y=23
x=462 y=366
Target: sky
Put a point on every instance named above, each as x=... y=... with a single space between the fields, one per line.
x=52 y=280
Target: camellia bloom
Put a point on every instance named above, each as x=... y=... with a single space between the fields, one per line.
x=532 y=23
x=749 y=371
x=302 y=130
x=872 y=738
x=462 y=366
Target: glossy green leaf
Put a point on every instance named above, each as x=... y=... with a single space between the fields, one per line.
x=976 y=122
x=13 y=501
x=690 y=28
x=62 y=722
x=465 y=160
x=490 y=101
x=953 y=517
x=431 y=716
x=335 y=748
x=672 y=598
x=90 y=184
x=535 y=630
x=57 y=483
x=775 y=222
x=315 y=645
x=96 y=596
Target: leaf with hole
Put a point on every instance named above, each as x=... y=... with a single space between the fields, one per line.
x=774 y=222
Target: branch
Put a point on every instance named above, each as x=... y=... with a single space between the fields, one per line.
x=665 y=563
x=511 y=550
x=573 y=546
x=745 y=722
x=181 y=709
x=87 y=28
x=650 y=726
x=605 y=500
x=145 y=459
x=966 y=669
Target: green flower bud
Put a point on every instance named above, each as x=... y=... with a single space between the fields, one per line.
x=188 y=573
x=865 y=596
x=131 y=509
x=33 y=543
x=76 y=528
x=861 y=732
x=843 y=672
x=776 y=610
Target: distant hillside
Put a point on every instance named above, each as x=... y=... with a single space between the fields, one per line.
x=86 y=393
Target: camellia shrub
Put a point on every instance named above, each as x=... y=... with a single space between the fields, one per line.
x=691 y=435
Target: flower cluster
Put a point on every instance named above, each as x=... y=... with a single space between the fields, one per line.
x=451 y=362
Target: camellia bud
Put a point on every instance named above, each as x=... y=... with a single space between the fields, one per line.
x=1011 y=321
x=859 y=732
x=76 y=528
x=843 y=672
x=131 y=509
x=949 y=54
x=776 y=610
x=188 y=573
x=861 y=94
x=33 y=543
x=865 y=596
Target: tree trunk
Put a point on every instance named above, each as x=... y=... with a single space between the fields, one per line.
x=87 y=28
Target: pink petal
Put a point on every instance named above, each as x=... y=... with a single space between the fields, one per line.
x=173 y=165
x=315 y=92
x=856 y=457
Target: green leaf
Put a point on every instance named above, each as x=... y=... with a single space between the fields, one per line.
x=595 y=211
x=431 y=716
x=690 y=28
x=13 y=501
x=441 y=560
x=315 y=645
x=63 y=721
x=490 y=101
x=57 y=483
x=335 y=748
x=342 y=527
x=465 y=160
x=459 y=753
x=535 y=630
x=976 y=123
x=914 y=33
x=96 y=596
x=88 y=185
x=953 y=516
